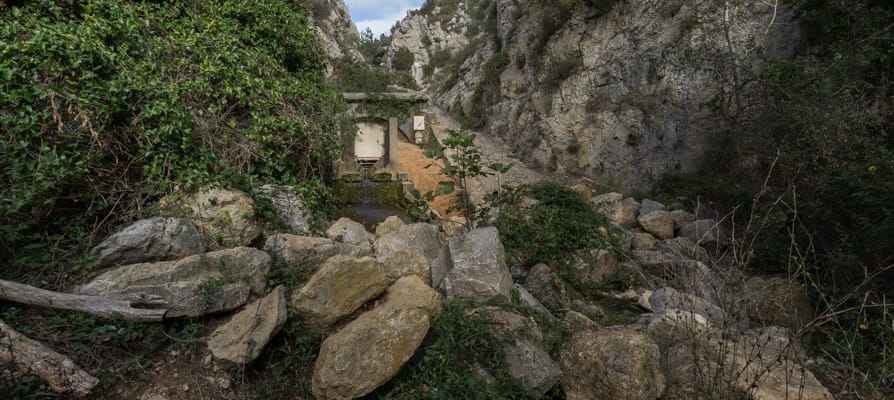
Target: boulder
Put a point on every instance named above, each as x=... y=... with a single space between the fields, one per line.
x=618 y=209
x=227 y=215
x=777 y=300
x=550 y=290
x=575 y=322
x=194 y=286
x=659 y=223
x=478 y=267
x=337 y=289
x=644 y=241
x=705 y=232
x=419 y=237
x=391 y=224
x=241 y=339
x=527 y=361
x=454 y=226
x=612 y=365
x=347 y=231
x=311 y=251
x=681 y=218
x=668 y=298
x=439 y=267
x=528 y=300
x=405 y=263
x=287 y=205
x=595 y=265
x=370 y=350
x=648 y=206
x=148 y=240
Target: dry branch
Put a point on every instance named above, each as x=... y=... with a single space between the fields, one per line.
x=121 y=306
x=32 y=357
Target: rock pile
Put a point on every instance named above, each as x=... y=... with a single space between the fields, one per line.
x=384 y=292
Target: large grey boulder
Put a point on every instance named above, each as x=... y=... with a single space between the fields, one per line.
x=659 y=223
x=288 y=206
x=347 y=231
x=194 y=286
x=405 y=263
x=649 y=206
x=370 y=350
x=308 y=250
x=419 y=237
x=147 y=240
x=611 y=365
x=478 y=267
x=525 y=358
x=227 y=215
x=617 y=209
x=337 y=289
x=241 y=339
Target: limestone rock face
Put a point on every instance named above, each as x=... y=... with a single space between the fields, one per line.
x=659 y=223
x=777 y=300
x=347 y=231
x=227 y=215
x=370 y=350
x=617 y=209
x=241 y=339
x=194 y=286
x=288 y=206
x=635 y=100
x=443 y=30
x=611 y=365
x=338 y=288
x=147 y=240
x=478 y=270
x=335 y=31
x=311 y=250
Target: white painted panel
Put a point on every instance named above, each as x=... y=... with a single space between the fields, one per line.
x=419 y=123
x=370 y=141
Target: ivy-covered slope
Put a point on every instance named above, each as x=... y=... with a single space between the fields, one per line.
x=107 y=105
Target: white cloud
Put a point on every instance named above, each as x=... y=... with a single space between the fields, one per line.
x=379 y=15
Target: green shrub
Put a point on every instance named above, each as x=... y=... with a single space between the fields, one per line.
x=109 y=105
x=550 y=231
x=403 y=59
x=561 y=69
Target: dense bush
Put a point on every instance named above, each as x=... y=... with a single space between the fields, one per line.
x=403 y=59
x=558 y=224
x=107 y=105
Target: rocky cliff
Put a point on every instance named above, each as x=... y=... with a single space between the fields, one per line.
x=335 y=30
x=615 y=91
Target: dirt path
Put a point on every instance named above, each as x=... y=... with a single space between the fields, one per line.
x=493 y=150
x=413 y=161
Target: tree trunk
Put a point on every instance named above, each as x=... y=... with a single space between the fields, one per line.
x=32 y=357
x=118 y=306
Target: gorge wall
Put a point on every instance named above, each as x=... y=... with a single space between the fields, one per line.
x=614 y=91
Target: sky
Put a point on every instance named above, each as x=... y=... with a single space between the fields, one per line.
x=379 y=15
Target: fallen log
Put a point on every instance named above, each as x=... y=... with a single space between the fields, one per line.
x=33 y=358
x=121 y=306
